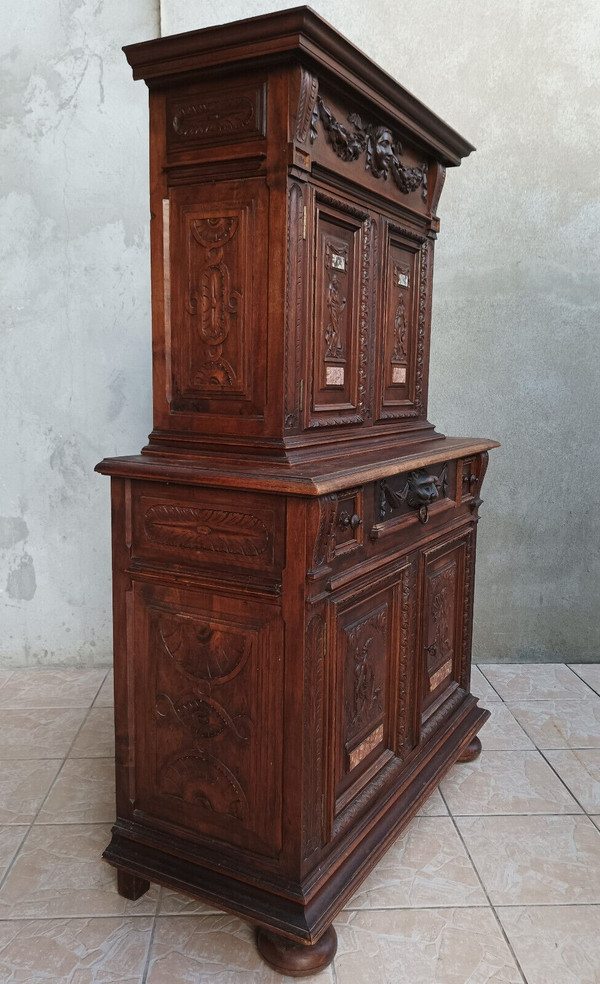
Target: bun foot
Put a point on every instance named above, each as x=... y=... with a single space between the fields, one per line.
x=130 y=886
x=296 y=959
x=471 y=751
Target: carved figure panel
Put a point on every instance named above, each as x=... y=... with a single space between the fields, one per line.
x=445 y=598
x=403 y=335
x=341 y=318
x=364 y=674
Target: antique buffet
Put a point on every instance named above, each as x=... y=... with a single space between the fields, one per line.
x=293 y=551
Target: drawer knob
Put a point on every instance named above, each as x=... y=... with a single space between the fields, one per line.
x=346 y=521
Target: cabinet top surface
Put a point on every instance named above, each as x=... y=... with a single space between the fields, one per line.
x=298 y=35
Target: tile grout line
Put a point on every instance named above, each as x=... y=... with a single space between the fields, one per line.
x=586 y=813
x=578 y=675
x=52 y=785
x=144 y=976
x=485 y=892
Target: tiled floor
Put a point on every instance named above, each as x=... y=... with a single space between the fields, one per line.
x=497 y=880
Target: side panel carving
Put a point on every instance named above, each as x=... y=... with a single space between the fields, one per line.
x=294 y=308
x=218 y=254
x=208 y=116
x=208 y=706
x=314 y=695
x=208 y=530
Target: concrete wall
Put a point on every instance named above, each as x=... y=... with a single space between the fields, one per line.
x=515 y=341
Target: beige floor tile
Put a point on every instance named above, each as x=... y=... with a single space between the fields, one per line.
x=579 y=768
x=506 y=782
x=596 y=821
x=501 y=731
x=77 y=951
x=51 y=688
x=59 y=872
x=218 y=949
x=97 y=737
x=106 y=695
x=429 y=946
x=560 y=723
x=535 y=860
x=433 y=806
x=481 y=687
x=83 y=793
x=427 y=866
x=23 y=786
x=5 y=676
x=39 y=734
x=11 y=839
x=589 y=672
x=555 y=944
x=175 y=904
x=535 y=681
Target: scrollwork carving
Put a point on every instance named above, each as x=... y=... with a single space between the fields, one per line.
x=381 y=148
x=209 y=530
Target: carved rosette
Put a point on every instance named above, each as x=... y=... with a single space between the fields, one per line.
x=381 y=149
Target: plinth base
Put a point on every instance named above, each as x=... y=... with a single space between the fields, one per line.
x=296 y=959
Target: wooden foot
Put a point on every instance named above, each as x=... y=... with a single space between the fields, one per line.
x=130 y=886
x=296 y=959
x=471 y=751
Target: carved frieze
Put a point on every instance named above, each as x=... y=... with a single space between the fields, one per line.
x=381 y=149
x=207 y=530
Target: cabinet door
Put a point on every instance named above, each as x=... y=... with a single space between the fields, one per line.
x=447 y=583
x=403 y=307
x=205 y=697
x=340 y=334
x=372 y=681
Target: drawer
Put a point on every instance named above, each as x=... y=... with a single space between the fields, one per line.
x=199 y=527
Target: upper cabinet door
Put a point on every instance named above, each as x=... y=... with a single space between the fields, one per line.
x=341 y=316
x=403 y=329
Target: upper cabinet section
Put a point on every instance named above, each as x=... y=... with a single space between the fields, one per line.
x=294 y=188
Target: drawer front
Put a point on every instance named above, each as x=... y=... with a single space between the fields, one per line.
x=195 y=527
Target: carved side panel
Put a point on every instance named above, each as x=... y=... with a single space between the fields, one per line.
x=209 y=116
x=314 y=697
x=296 y=290
x=340 y=337
x=445 y=608
x=403 y=318
x=218 y=298
x=207 y=708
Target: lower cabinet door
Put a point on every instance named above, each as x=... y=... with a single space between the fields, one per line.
x=205 y=697
x=447 y=593
x=371 y=681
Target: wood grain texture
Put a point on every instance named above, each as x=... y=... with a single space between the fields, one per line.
x=294 y=549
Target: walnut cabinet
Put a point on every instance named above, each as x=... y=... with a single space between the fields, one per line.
x=294 y=549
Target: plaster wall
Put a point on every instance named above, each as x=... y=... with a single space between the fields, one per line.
x=74 y=313
x=515 y=341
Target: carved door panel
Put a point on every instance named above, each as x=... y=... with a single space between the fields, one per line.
x=208 y=716
x=217 y=299
x=446 y=635
x=402 y=315
x=372 y=682
x=340 y=333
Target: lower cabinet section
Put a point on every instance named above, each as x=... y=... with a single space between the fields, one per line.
x=206 y=676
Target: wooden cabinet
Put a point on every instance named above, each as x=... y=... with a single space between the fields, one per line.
x=294 y=548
